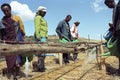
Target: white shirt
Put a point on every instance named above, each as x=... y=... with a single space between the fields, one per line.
x=74 y=31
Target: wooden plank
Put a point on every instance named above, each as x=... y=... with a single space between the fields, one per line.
x=60 y=59
x=102 y=60
x=32 y=49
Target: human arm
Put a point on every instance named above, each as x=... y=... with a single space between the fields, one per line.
x=116 y=20
x=37 y=26
x=59 y=30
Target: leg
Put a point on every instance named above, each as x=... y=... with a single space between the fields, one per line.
x=118 y=48
x=60 y=59
x=75 y=56
x=119 y=64
x=65 y=58
x=41 y=64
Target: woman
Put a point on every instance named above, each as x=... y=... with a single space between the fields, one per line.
x=41 y=34
x=13 y=24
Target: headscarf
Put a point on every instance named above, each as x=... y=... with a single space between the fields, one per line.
x=42 y=8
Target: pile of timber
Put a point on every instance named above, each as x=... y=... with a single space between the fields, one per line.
x=13 y=47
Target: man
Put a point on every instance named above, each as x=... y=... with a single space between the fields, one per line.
x=13 y=31
x=63 y=31
x=41 y=34
x=116 y=23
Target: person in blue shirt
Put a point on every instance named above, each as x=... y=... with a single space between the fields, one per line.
x=63 y=31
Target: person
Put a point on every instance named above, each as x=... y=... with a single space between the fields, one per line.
x=74 y=33
x=41 y=34
x=13 y=25
x=116 y=23
x=63 y=31
x=108 y=34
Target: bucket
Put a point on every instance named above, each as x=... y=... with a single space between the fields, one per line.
x=112 y=46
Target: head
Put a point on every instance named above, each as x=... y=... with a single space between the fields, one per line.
x=6 y=9
x=41 y=11
x=110 y=24
x=110 y=3
x=77 y=23
x=68 y=18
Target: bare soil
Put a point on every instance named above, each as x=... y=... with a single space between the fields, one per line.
x=86 y=68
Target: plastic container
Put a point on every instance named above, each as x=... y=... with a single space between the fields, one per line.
x=107 y=54
x=107 y=35
x=75 y=40
x=111 y=44
x=63 y=40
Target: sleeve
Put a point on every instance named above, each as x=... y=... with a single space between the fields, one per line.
x=58 y=29
x=72 y=29
x=37 y=26
x=2 y=30
x=117 y=15
x=18 y=19
x=118 y=10
x=22 y=29
x=1 y=25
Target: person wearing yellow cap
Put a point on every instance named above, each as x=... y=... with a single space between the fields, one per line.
x=41 y=34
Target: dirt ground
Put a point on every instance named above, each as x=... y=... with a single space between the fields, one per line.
x=86 y=68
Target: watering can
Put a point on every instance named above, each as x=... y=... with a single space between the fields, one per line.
x=75 y=40
x=64 y=40
x=106 y=54
x=107 y=35
x=112 y=46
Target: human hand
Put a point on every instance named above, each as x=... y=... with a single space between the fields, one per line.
x=23 y=34
x=62 y=36
x=38 y=39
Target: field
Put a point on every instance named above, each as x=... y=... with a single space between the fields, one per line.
x=85 y=68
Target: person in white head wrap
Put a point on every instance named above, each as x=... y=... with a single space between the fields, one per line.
x=41 y=34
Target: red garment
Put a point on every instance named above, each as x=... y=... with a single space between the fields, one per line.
x=10 y=29
x=9 y=35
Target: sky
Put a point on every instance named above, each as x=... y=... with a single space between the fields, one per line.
x=93 y=15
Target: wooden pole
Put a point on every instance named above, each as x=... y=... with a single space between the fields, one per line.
x=98 y=58
x=101 y=38
x=88 y=38
x=8 y=49
x=60 y=59
x=102 y=60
